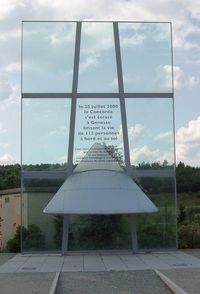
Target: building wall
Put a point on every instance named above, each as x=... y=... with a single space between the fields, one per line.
x=33 y=205
x=10 y=214
x=1 y=244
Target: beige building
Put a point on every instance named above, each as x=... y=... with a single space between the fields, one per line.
x=10 y=214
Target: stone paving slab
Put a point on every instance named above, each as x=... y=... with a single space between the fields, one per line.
x=4 y=257
x=193 y=252
x=93 y=261
x=100 y=262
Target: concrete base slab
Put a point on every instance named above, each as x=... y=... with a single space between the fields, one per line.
x=119 y=261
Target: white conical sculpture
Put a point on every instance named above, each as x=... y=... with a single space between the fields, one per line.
x=99 y=185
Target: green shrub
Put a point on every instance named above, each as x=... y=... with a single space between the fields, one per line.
x=192 y=212
x=58 y=223
x=13 y=245
x=32 y=239
x=189 y=236
x=182 y=214
x=100 y=232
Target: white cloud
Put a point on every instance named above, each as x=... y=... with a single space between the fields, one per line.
x=5 y=88
x=166 y=136
x=8 y=6
x=11 y=67
x=145 y=154
x=188 y=143
x=192 y=82
x=180 y=79
x=4 y=145
x=62 y=130
x=60 y=37
x=7 y=159
x=134 y=132
x=190 y=134
x=11 y=34
x=135 y=40
x=62 y=159
x=2 y=129
x=89 y=61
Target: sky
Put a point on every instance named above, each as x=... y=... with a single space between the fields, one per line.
x=185 y=18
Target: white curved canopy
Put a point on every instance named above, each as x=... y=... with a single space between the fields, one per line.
x=98 y=185
x=99 y=192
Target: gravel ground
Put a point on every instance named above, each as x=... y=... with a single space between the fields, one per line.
x=26 y=283
x=186 y=279
x=126 y=282
x=5 y=257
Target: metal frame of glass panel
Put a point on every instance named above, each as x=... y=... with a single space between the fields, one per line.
x=121 y=95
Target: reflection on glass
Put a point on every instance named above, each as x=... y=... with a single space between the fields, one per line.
x=158 y=230
x=48 y=56
x=146 y=57
x=96 y=232
x=150 y=130
x=40 y=231
x=45 y=131
x=98 y=126
x=97 y=70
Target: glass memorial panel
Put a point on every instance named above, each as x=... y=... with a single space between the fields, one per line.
x=146 y=57
x=150 y=130
x=158 y=230
x=40 y=231
x=98 y=121
x=48 y=57
x=97 y=69
x=99 y=232
x=45 y=132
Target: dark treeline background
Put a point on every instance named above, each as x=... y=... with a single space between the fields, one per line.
x=188 y=177
x=9 y=176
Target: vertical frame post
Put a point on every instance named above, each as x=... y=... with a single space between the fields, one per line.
x=134 y=233
x=72 y=128
x=174 y=130
x=124 y=127
x=21 y=160
x=65 y=234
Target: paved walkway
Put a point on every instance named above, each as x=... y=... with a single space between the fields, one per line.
x=102 y=272
x=102 y=261
x=5 y=257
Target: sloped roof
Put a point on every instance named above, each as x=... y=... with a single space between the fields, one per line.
x=99 y=186
x=99 y=192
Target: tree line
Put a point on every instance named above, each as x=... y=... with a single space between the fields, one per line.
x=187 y=177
